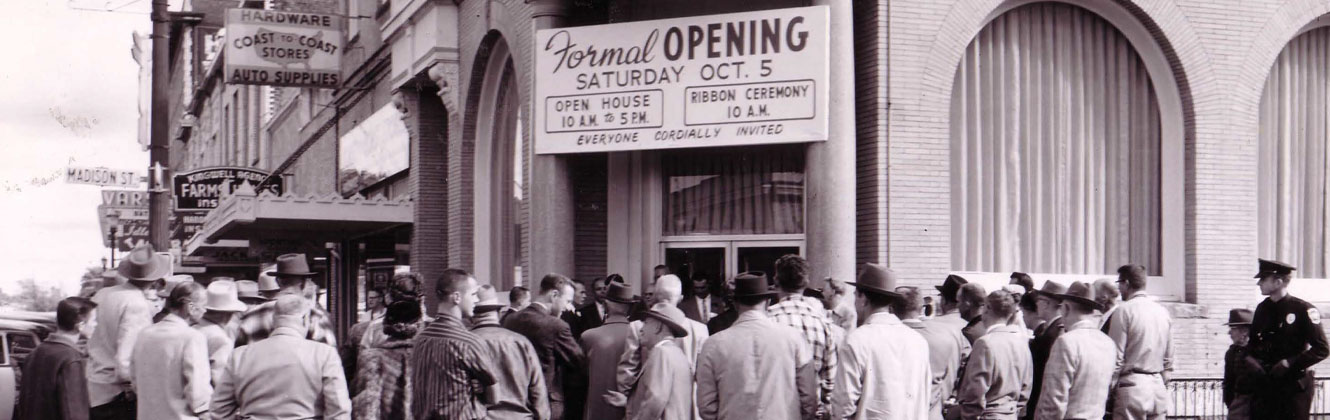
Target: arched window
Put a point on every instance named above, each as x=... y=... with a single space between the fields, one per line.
x=1055 y=147
x=1291 y=204
x=500 y=175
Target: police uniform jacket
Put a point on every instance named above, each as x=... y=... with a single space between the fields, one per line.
x=1288 y=329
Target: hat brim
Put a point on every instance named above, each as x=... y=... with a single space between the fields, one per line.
x=1076 y=299
x=675 y=329
x=872 y=289
x=763 y=294
x=278 y=274
x=628 y=301
x=253 y=299
x=158 y=268
x=233 y=306
x=1242 y=323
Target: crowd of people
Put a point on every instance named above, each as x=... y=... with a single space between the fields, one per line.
x=756 y=346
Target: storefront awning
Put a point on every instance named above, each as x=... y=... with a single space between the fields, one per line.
x=247 y=216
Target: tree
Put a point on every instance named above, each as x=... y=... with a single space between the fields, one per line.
x=34 y=297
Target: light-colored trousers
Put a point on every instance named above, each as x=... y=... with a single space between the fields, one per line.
x=1140 y=397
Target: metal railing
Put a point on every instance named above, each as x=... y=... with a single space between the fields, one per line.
x=1203 y=398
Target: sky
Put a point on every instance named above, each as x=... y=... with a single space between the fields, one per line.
x=68 y=96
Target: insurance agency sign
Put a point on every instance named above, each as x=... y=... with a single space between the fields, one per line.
x=720 y=80
x=202 y=189
x=276 y=48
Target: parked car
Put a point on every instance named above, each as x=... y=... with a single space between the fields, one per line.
x=18 y=339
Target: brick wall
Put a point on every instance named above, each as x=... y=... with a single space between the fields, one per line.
x=427 y=122
x=1219 y=52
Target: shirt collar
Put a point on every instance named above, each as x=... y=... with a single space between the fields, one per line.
x=616 y=319
x=175 y=319
x=288 y=331
x=994 y=327
x=543 y=308
x=1138 y=295
x=444 y=318
x=1086 y=323
x=751 y=316
x=883 y=318
x=913 y=323
x=62 y=339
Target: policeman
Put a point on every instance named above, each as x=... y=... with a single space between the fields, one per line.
x=1286 y=339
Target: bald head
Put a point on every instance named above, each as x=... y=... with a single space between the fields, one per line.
x=669 y=289
x=1106 y=292
x=290 y=311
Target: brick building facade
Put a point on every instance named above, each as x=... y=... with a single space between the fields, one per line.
x=461 y=76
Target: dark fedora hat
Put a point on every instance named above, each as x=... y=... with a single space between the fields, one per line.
x=292 y=265
x=1239 y=317
x=876 y=279
x=951 y=285
x=1079 y=292
x=1268 y=267
x=671 y=316
x=620 y=293
x=142 y=264
x=1051 y=289
x=751 y=284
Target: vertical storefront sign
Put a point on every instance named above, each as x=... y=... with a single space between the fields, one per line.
x=719 y=80
x=277 y=48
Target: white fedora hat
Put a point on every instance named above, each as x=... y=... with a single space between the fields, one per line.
x=222 y=297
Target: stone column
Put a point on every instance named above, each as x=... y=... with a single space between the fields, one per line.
x=550 y=182
x=830 y=177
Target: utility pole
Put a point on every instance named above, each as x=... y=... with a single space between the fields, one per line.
x=159 y=154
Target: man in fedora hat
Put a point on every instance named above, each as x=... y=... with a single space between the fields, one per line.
x=122 y=312
x=1081 y=363
x=292 y=274
x=1141 y=328
x=223 y=306
x=885 y=371
x=948 y=314
x=268 y=286
x=285 y=375
x=604 y=345
x=171 y=371
x=1286 y=341
x=1048 y=314
x=1240 y=373
x=519 y=392
x=665 y=389
x=248 y=292
x=756 y=368
x=668 y=292
x=944 y=348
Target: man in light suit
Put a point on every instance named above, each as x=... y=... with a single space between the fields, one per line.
x=284 y=375
x=669 y=291
x=1081 y=364
x=996 y=385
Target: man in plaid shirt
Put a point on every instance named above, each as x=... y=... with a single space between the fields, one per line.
x=808 y=316
x=293 y=276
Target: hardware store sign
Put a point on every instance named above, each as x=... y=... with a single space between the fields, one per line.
x=275 y=48
x=720 y=80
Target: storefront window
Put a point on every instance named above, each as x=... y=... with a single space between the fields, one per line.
x=1055 y=148
x=748 y=191
x=509 y=177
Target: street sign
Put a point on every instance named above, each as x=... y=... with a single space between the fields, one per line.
x=718 y=80
x=202 y=189
x=102 y=176
x=277 y=48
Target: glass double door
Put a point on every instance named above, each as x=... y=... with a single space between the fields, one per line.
x=720 y=261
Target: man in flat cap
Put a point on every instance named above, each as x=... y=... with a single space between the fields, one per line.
x=1286 y=340
x=1141 y=330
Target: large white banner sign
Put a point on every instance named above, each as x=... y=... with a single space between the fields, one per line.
x=276 y=48
x=719 y=80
